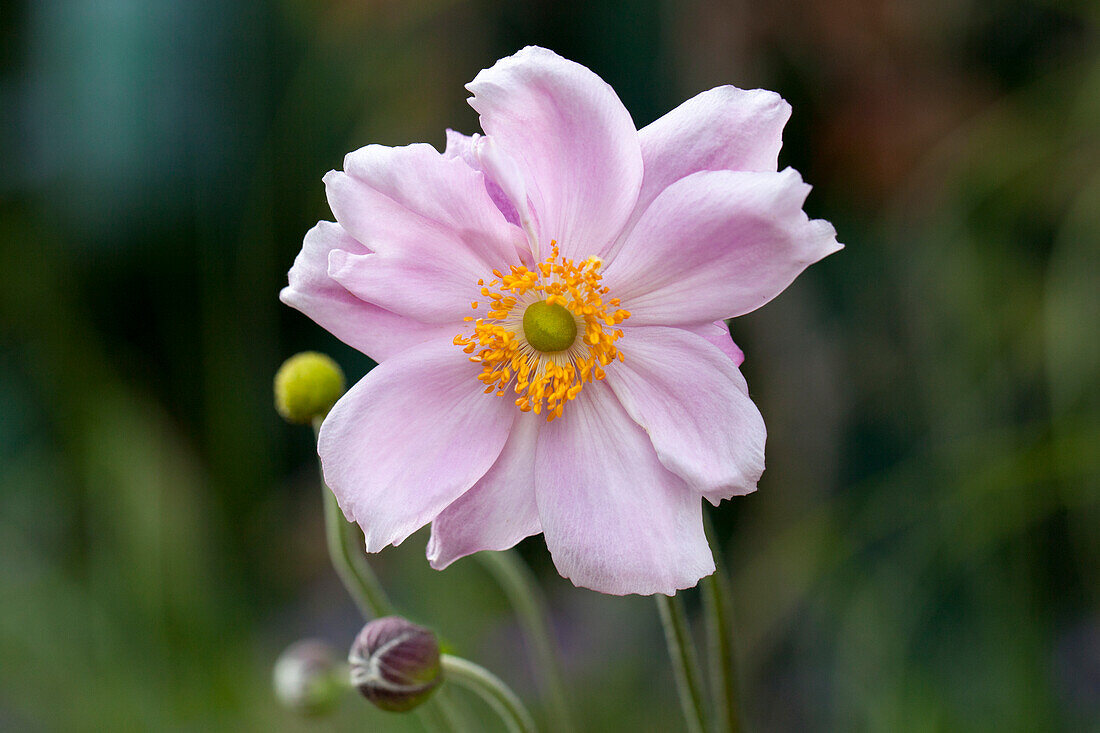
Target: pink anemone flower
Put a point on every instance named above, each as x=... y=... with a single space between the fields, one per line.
x=545 y=303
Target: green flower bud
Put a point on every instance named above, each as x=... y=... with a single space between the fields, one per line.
x=307 y=385
x=309 y=678
x=395 y=663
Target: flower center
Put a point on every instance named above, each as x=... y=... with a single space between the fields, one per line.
x=549 y=326
x=528 y=340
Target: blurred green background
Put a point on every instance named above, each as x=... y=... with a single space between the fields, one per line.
x=924 y=550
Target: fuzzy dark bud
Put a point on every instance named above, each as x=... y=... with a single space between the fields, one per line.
x=395 y=663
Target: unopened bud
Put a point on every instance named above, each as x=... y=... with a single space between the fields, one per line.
x=307 y=385
x=395 y=663
x=309 y=678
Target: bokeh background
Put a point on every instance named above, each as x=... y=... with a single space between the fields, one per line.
x=924 y=550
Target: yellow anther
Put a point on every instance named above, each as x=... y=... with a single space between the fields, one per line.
x=544 y=380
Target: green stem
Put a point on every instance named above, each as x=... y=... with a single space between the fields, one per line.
x=491 y=689
x=685 y=665
x=723 y=667
x=344 y=549
x=518 y=583
x=361 y=582
x=723 y=672
x=438 y=715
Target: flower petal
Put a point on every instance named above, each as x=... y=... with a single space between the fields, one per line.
x=432 y=190
x=724 y=128
x=410 y=438
x=500 y=167
x=717 y=244
x=572 y=139
x=615 y=519
x=432 y=224
x=465 y=147
x=499 y=510
x=376 y=332
x=691 y=400
x=461 y=146
x=718 y=333
x=426 y=289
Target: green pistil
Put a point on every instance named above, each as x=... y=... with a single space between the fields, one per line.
x=549 y=327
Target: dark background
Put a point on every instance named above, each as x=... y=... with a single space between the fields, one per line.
x=923 y=553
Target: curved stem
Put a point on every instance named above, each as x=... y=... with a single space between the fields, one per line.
x=358 y=578
x=438 y=715
x=491 y=689
x=723 y=672
x=685 y=665
x=723 y=666
x=346 y=553
x=344 y=549
x=518 y=583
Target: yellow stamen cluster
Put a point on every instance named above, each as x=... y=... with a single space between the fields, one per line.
x=544 y=380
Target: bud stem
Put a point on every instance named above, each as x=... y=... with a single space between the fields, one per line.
x=518 y=583
x=345 y=551
x=723 y=667
x=438 y=715
x=492 y=690
x=358 y=578
x=685 y=665
x=363 y=586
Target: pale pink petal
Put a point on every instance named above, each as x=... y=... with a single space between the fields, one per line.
x=499 y=510
x=376 y=332
x=438 y=191
x=718 y=333
x=425 y=288
x=572 y=139
x=426 y=217
x=615 y=519
x=717 y=244
x=465 y=147
x=724 y=128
x=410 y=438
x=461 y=146
x=689 y=397
x=502 y=168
